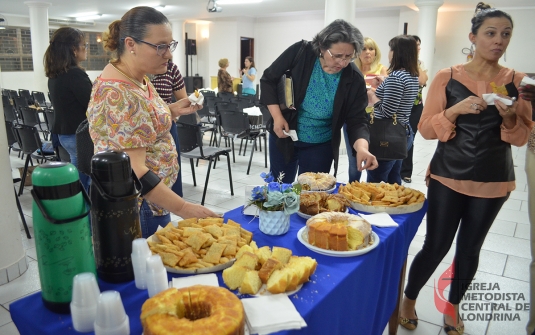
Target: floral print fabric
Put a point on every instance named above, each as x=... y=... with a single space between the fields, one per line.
x=121 y=117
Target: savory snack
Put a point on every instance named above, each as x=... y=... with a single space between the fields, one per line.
x=199 y=243
x=498 y=89
x=382 y=194
x=193 y=310
x=313 y=203
x=320 y=181
x=280 y=271
x=338 y=231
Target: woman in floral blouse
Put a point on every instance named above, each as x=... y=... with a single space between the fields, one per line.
x=126 y=114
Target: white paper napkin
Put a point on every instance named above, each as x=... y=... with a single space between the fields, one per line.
x=527 y=81
x=491 y=97
x=255 y=111
x=209 y=279
x=196 y=100
x=292 y=134
x=273 y=313
x=379 y=220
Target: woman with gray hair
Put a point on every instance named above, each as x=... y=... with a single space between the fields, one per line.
x=329 y=91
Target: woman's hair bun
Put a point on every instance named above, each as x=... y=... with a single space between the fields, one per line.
x=481 y=6
x=111 y=37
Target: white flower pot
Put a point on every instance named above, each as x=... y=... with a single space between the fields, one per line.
x=274 y=223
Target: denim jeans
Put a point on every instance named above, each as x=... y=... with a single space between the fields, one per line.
x=308 y=157
x=177 y=186
x=390 y=171
x=150 y=222
x=353 y=171
x=69 y=143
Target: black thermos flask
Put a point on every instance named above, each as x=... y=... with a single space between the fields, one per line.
x=114 y=214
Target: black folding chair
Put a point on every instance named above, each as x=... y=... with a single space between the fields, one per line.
x=31 y=146
x=225 y=96
x=12 y=140
x=30 y=117
x=39 y=99
x=236 y=125
x=26 y=95
x=191 y=147
x=10 y=112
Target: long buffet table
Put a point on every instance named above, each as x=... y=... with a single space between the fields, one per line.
x=345 y=295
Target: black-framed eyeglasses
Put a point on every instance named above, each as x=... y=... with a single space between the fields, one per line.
x=341 y=58
x=160 y=48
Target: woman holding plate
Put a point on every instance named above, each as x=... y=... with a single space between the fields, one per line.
x=471 y=173
x=126 y=113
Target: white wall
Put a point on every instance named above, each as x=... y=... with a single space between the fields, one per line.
x=452 y=35
x=223 y=43
x=274 y=34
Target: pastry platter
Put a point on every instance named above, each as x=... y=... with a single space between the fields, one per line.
x=211 y=269
x=302 y=236
x=382 y=198
x=402 y=209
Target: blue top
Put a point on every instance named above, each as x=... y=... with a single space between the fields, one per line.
x=397 y=93
x=246 y=83
x=314 y=122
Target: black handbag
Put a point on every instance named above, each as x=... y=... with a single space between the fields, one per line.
x=388 y=138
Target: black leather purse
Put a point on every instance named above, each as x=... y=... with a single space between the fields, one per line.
x=388 y=138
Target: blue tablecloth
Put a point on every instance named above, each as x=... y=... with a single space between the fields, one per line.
x=346 y=295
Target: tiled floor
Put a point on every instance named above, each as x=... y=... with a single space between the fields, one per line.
x=504 y=259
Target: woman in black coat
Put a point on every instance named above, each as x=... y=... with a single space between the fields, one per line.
x=69 y=87
x=329 y=91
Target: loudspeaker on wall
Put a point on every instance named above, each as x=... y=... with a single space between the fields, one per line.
x=191 y=47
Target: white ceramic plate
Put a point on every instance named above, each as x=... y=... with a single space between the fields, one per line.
x=302 y=236
x=403 y=209
x=306 y=216
x=216 y=268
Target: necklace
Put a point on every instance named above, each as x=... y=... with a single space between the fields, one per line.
x=144 y=87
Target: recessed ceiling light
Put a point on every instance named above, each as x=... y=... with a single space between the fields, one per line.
x=236 y=2
x=88 y=17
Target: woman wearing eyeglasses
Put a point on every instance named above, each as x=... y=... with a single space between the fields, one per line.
x=125 y=113
x=69 y=87
x=328 y=92
x=394 y=97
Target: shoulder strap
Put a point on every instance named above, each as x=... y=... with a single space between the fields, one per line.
x=513 y=79
x=451 y=74
x=298 y=56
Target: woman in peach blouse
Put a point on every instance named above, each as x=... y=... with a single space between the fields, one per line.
x=471 y=173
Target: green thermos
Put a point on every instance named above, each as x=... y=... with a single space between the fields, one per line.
x=62 y=232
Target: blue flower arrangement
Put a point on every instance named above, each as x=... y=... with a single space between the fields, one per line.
x=275 y=195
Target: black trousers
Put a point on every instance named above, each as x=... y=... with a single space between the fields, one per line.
x=448 y=211
x=414 y=119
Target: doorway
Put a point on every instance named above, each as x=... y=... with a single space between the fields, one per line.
x=246 y=49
